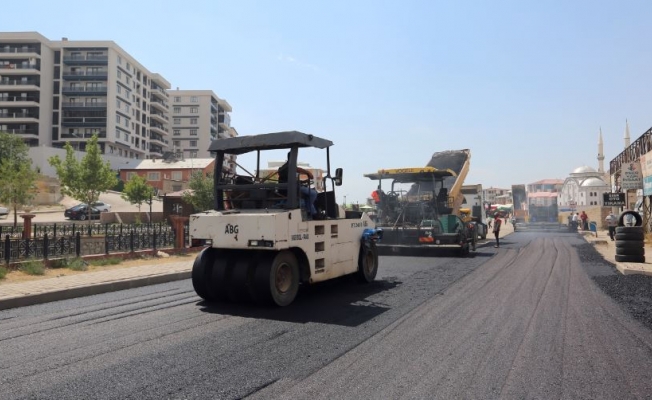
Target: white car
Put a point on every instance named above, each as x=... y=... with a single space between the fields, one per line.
x=4 y=212
x=100 y=205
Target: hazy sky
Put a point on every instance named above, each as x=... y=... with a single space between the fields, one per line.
x=526 y=85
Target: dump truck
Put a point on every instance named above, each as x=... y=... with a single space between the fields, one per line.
x=265 y=241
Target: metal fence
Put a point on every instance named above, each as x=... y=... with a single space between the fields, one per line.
x=84 y=229
x=47 y=247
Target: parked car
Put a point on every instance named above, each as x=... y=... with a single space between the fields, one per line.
x=80 y=212
x=100 y=205
x=4 y=212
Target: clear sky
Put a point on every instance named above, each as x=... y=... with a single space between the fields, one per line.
x=525 y=85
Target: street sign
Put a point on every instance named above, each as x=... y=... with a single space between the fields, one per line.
x=632 y=177
x=614 y=199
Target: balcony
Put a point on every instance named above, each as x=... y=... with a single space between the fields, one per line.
x=224 y=120
x=161 y=105
x=19 y=51
x=19 y=84
x=101 y=134
x=19 y=101
x=158 y=128
x=18 y=117
x=161 y=93
x=24 y=132
x=155 y=150
x=87 y=122
x=85 y=91
x=19 y=69
x=86 y=60
x=88 y=106
x=159 y=117
x=158 y=140
x=85 y=75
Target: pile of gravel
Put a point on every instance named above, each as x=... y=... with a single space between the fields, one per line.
x=632 y=292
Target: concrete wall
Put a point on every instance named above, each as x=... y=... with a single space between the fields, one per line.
x=40 y=156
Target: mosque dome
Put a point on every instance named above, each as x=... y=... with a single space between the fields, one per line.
x=593 y=182
x=584 y=169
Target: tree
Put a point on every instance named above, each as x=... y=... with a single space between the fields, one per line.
x=137 y=192
x=202 y=196
x=84 y=180
x=17 y=178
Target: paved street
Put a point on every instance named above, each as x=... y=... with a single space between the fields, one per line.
x=522 y=321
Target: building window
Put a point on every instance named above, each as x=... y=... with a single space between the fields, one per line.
x=177 y=99
x=177 y=143
x=193 y=121
x=194 y=99
x=193 y=143
x=119 y=74
x=177 y=121
x=193 y=132
x=117 y=119
x=119 y=60
x=193 y=154
x=130 y=175
x=176 y=175
x=176 y=132
x=177 y=110
x=119 y=89
x=118 y=103
x=153 y=176
x=194 y=110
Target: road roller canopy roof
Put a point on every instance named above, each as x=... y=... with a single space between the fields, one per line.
x=268 y=141
x=407 y=175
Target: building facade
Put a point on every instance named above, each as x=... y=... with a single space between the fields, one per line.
x=584 y=187
x=198 y=118
x=53 y=92
x=494 y=195
x=168 y=176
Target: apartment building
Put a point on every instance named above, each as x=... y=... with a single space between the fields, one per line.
x=198 y=118
x=53 y=92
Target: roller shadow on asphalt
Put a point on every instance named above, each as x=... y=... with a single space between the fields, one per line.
x=342 y=301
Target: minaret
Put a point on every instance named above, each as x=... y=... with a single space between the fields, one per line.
x=627 y=141
x=600 y=154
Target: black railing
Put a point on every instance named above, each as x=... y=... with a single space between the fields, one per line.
x=47 y=247
x=84 y=229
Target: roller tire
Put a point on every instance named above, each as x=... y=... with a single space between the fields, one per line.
x=221 y=276
x=630 y=251
x=201 y=273
x=637 y=217
x=632 y=259
x=276 y=280
x=238 y=289
x=367 y=263
x=630 y=236
x=629 y=229
x=630 y=244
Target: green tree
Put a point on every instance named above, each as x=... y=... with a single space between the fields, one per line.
x=84 y=180
x=17 y=178
x=201 y=196
x=137 y=191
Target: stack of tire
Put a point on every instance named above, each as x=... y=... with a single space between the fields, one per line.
x=630 y=240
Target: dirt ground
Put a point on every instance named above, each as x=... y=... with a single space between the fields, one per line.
x=18 y=276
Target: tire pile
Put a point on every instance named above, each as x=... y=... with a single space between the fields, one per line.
x=630 y=240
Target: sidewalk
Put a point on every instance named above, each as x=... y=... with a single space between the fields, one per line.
x=607 y=248
x=67 y=287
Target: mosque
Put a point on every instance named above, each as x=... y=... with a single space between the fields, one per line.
x=585 y=186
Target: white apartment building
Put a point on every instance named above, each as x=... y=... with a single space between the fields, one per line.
x=198 y=118
x=53 y=92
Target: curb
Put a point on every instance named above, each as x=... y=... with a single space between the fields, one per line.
x=71 y=293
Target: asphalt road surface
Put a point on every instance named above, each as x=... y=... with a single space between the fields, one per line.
x=523 y=321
